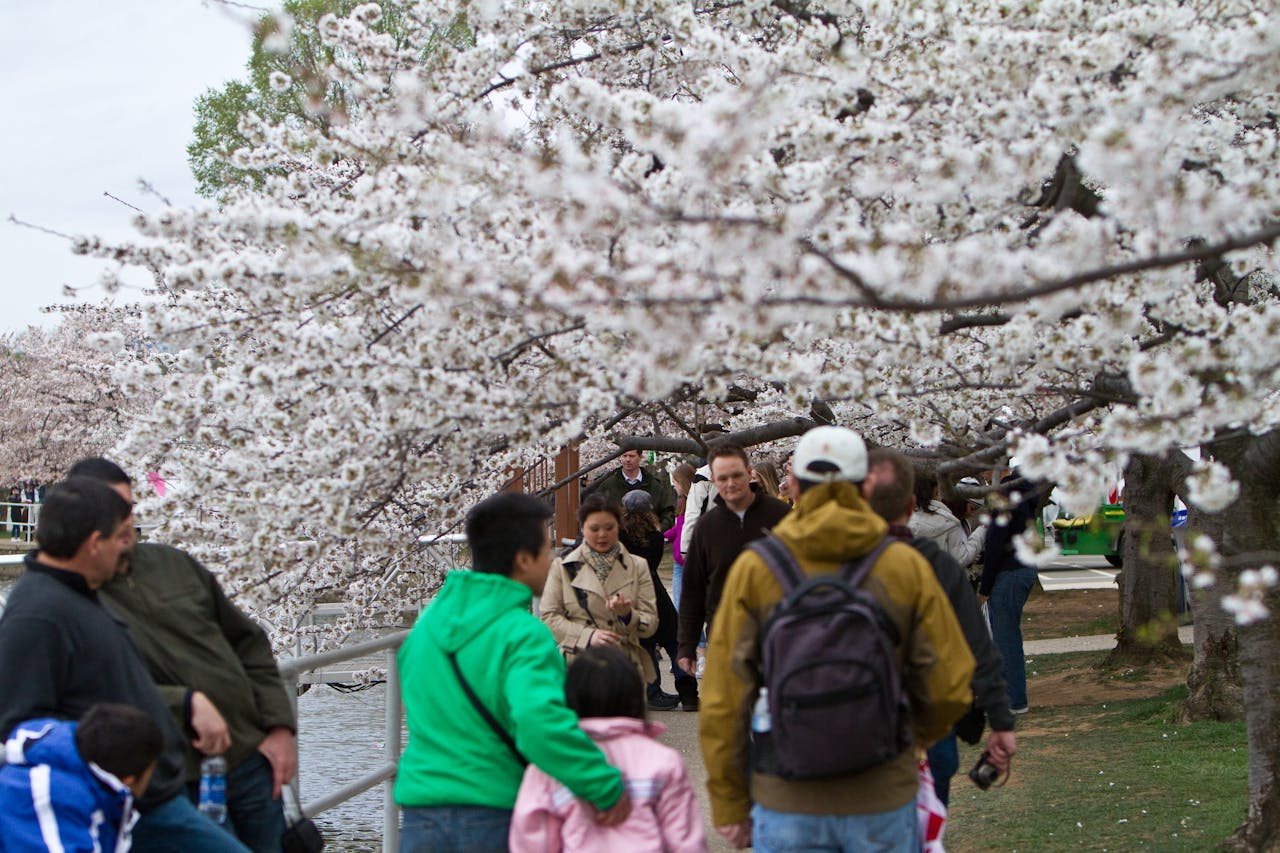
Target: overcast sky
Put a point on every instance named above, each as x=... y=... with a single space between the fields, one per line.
x=97 y=95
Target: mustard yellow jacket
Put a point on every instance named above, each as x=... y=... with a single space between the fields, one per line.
x=830 y=524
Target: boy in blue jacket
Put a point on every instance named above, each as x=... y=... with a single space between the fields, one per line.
x=70 y=786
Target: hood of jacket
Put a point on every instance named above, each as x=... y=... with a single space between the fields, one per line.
x=831 y=523
x=604 y=728
x=53 y=743
x=471 y=601
x=934 y=523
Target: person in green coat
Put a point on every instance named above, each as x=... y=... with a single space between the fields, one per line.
x=461 y=770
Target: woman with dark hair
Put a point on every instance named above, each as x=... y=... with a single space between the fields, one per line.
x=934 y=520
x=600 y=594
x=641 y=535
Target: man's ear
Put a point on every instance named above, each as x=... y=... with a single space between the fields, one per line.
x=90 y=546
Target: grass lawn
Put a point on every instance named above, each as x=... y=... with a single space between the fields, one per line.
x=1119 y=775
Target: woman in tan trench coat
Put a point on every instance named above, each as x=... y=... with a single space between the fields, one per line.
x=599 y=594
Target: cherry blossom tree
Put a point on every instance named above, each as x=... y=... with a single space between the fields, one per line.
x=61 y=399
x=979 y=227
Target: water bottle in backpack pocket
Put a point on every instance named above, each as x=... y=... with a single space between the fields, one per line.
x=763 y=757
x=832 y=683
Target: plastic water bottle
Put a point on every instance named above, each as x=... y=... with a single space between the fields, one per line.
x=213 y=788
x=761 y=722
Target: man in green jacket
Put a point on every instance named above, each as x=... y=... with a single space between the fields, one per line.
x=482 y=682
x=632 y=475
x=214 y=667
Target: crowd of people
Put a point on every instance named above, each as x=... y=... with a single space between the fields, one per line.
x=846 y=651
x=559 y=658
x=21 y=509
x=98 y=621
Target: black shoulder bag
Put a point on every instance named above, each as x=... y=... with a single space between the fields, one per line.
x=484 y=712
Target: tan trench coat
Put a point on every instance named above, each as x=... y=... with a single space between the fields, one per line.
x=571 y=582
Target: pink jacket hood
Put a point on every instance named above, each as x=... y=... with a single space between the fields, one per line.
x=665 y=816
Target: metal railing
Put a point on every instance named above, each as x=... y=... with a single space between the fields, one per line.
x=25 y=526
x=294 y=672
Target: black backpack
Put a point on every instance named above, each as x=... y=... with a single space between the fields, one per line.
x=837 y=704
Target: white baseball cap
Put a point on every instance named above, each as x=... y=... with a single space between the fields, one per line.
x=829 y=453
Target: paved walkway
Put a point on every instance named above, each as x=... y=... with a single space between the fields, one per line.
x=1093 y=643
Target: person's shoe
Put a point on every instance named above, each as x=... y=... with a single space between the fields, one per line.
x=663 y=702
x=1024 y=709
x=689 y=704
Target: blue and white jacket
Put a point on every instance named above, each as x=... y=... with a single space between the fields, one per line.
x=52 y=799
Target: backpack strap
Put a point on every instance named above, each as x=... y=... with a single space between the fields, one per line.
x=855 y=572
x=779 y=559
x=484 y=712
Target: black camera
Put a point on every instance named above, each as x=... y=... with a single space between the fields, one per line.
x=984 y=773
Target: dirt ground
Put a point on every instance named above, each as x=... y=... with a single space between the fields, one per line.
x=1070 y=613
x=1081 y=613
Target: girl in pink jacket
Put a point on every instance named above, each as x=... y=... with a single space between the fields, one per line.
x=607 y=693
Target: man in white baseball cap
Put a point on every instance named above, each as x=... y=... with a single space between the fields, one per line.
x=830 y=526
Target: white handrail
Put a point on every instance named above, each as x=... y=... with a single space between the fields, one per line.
x=292 y=668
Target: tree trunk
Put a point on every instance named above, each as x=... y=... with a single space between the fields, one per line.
x=1253 y=529
x=1214 y=680
x=1260 y=673
x=1149 y=580
x=1239 y=667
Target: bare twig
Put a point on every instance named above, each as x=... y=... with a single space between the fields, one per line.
x=125 y=203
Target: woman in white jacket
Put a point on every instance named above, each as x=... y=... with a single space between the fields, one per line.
x=933 y=520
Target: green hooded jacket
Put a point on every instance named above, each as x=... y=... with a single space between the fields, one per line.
x=512 y=663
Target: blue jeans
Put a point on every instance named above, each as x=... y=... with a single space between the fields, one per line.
x=887 y=832
x=1008 y=596
x=454 y=829
x=677 y=583
x=176 y=827
x=944 y=761
x=254 y=818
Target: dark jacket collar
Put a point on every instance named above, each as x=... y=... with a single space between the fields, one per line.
x=71 y=579
x=901 y=531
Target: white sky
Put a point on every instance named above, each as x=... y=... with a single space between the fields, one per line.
x=97 y=95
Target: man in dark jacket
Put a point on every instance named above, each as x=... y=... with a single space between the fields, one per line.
x=889 y=489
x=741 y=513
x=198 y=644
x=632 y=475
x=62 y=651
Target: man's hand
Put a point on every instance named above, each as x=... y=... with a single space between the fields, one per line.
x=601 y=637
x=1001 y=746
x=282 y=754
x=212 y=736
x=983 y=599
x=617 y=813
x=688 y=665
x=737 y=834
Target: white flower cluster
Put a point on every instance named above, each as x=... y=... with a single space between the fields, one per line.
x=1211 y=487
x=1200 y=562
x=1248 y=603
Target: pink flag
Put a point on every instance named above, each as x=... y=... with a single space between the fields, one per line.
x=156 y=481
